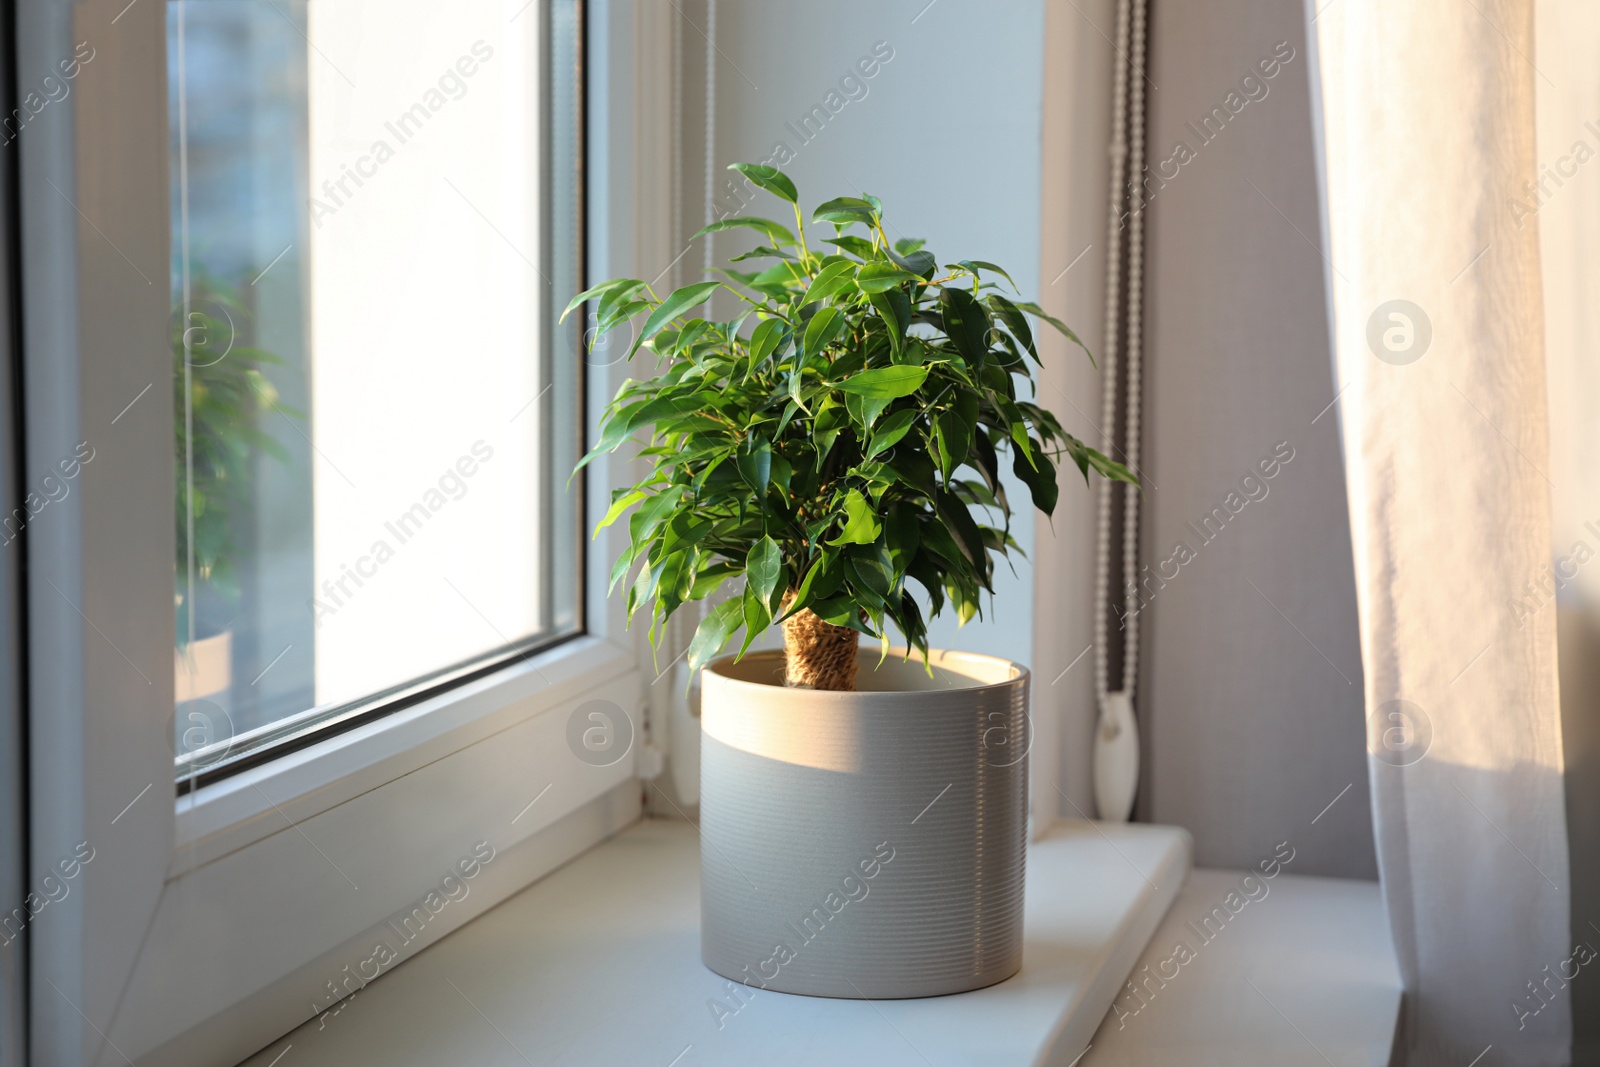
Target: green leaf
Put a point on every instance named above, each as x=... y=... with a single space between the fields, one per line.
x=790 y=410
x=870 y=569
x=782 y=472
x=1041 y=482
x=829 y=280
x=612 y=433
x=848 y=362
x=714 y=631
x=613 y=307
x=686 y=530
x=756 y=467
x=864 y=410
x=962 y=424
x=825 y=325
x=1019 y=431
x=643 y=522
x=911 y=624
x=880 y=277
x=766 y=226
x=892 y=430
x=618 y=506
x=1110 y=468
x=771 y=179
x=841 y=611
x=709 y=578
x=672 y=307
x=886 y=382
x=762 y=252
x=856 y=246
x=966 y=604
x=953 y=442
x=918 y=262
x=938 y=543
x=694 y=332
x=619 y=569
x=962 y=527
x=764 y=567
x=644 y=586
x=845 y=210
x=674 y=575
x=860 y=525
x=967 y=324
x=831 y=419
x=1066 y=331
x=669 y=407
x=974 y=265
x=894 y=307
x=764 y=341
x=757 y=617
x=776 y=280
x=1016 y=322
x=615 y=315
x=903 y=537
x=599 y=290
x=820 y=582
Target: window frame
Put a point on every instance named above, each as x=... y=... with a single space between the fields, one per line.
x=201 y=929
x=311 y=725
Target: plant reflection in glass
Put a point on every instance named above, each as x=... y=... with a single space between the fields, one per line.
x=220 y=391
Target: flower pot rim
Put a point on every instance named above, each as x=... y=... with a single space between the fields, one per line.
x=949 y=659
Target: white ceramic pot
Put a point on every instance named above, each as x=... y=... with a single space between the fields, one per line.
x=864 y=844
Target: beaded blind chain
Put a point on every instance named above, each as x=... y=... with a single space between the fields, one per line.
x=1116 y=738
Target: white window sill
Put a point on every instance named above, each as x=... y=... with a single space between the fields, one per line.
x=1305 y=976
x=251 y=805
x=600 y=963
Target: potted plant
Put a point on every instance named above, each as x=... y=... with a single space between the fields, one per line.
x=863 y=815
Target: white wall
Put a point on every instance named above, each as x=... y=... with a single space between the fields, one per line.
x=947 y=133
x=1076 y=173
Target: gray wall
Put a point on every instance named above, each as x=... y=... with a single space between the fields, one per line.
x=1250 y=697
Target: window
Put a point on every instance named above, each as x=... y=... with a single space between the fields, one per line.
x=412 y=323
x=374 y=210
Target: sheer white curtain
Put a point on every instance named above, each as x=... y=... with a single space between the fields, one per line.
x=1427 y=111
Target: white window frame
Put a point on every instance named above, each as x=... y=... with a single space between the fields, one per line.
x=1073 y=216
x=206 y=926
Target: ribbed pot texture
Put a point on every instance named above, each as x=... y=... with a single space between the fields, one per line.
x=865 y=844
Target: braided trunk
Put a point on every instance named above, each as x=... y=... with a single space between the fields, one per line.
x=818 y=654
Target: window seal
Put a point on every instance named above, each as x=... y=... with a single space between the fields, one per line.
x=358 y=713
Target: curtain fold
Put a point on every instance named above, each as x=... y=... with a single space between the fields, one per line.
x=1427 y=112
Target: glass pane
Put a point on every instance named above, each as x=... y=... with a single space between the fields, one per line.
x=374 y=207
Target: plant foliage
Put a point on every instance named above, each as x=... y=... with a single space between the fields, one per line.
x=843 y=433
x=220 y=391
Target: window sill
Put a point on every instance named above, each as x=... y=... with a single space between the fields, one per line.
x=251 y=805
x=1318 y=954
x=600 y=963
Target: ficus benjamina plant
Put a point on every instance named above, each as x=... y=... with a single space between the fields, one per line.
x=839 y=438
